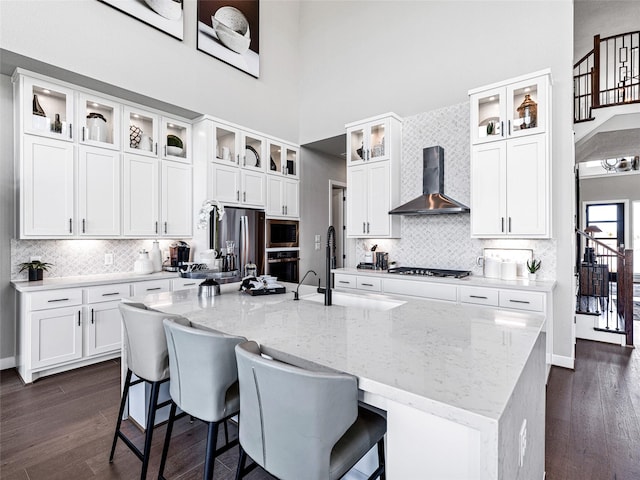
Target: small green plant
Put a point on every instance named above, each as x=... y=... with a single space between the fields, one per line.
x=35 y=265
x=534 y=265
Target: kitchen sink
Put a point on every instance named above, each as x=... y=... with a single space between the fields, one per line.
x=367 y=302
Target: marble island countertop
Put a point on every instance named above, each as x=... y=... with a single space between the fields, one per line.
x=459 y=362
x=520 y=283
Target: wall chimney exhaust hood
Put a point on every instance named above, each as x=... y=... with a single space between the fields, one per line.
x=432 y=201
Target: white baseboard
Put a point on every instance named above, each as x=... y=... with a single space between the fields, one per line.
x=8 y=362
x=584 y=330
x=562 y=361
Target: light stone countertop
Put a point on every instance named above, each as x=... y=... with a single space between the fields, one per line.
x=459 y=362
x=80 y=281
x=546 y=286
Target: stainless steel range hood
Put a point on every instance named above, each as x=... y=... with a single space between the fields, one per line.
x=432 y=201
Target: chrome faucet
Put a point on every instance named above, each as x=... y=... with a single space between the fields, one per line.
x=295 y=294
x=331 y=262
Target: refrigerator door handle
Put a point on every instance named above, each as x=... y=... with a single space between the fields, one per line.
x=244 y=238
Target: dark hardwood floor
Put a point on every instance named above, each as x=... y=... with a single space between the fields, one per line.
x=61 y=426
x=593 y=415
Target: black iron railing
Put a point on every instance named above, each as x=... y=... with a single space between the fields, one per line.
x=608 y=75
x=605 y=285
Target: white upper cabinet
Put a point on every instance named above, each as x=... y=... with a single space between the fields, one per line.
x=282 y=197
x=283 y=159
x=99 y=121
x=47 y=187
x=141 y=196
x=176 y=140
x=47 y=109
x=511 y=158
x=253 y=152
x=98 y=192
x=226 y=141
x=177 y=208
x=508 y=111
x=140 y=131
x=368 y=142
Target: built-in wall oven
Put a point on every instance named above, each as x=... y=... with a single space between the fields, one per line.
x=282 y=233
x=283 y=264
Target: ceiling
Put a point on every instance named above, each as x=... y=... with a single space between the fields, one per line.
x=617 y=137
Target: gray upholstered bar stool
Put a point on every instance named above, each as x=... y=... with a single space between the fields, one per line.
x=298 y=424
x=146 y=349
x=204 y=384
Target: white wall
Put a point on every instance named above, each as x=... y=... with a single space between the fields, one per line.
x=93 y=39
x=604 y=18
x=364 y=58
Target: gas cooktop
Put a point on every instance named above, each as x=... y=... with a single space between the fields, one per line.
x=429 y=272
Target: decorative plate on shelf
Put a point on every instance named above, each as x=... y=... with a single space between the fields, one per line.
x=252 y=157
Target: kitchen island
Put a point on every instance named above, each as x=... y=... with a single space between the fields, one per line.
x=460 y=384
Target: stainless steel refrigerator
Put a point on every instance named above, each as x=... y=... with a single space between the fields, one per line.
x=246 y=228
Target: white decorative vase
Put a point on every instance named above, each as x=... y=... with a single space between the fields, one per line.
x=143 y=264
x=533 y=276
x=156 y=257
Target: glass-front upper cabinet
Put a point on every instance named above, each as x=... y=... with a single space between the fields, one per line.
x=509 y=111
x=48 y=109
x=283 y=159
x=366 y=142
x=176 y=140
x=140 y=132
x=253 y=152
x=226 y=145
x=99 y=121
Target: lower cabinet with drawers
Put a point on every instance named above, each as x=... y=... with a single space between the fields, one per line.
x=67 y=328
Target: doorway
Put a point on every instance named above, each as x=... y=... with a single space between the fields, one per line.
x=337 y=199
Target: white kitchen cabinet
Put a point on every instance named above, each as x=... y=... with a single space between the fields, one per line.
x=177 y=202
x=510 y=188
x=99 y=121
x=56 y=336
x=176 y=140
x=178 y=284
x=104 y=331
x=140 y=196
x=47 y=188
x=369 y=199
x=233 y=186
x=282 y=197
x=148 y=287
x=234 y=146
x=510 y=109
x=46 y=108
x=98 y=192
x=369 y=140
x=140 y=131
x=510 y=159
x=283 y=159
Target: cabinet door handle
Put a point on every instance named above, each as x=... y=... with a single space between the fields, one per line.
x=244 y=160
x=345 y=281
x=367 y=227
x=238 y=157
x=520 y=301
x=154 y=288
x=110 y=294
x=509 y=224
x=502 y=128
x=502 y=224
x=156 y=148
x=367 y=284
x=188 y=284
x=509 y=123
x=478 y=296
x=79 y=319
x=58 y=300
x=237 y=195
x=165 y=227
x=83 y=134
x=92 y=316
x=244 y=196
x=70 y=226
x=71 y=131
x=165 y=150
x=283 y=209
x=364 y=229
x=83 y=226
x=286 y=209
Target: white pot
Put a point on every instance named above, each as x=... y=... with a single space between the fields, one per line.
x=143 y=264
x=533 y=276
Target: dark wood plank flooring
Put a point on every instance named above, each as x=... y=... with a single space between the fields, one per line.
x=593 y=415
x=61 y=427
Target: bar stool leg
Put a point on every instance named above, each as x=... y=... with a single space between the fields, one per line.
x=209 y=460
x=123 y=402
x=167 y=440
x=242 y=459
x=151 y=417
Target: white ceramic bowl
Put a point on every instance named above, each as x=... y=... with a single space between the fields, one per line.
x=175 y=151
x=169 y=9
x=232 y=29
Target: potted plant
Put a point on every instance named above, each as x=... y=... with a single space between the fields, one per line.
x=35 y=267
x=533 y=266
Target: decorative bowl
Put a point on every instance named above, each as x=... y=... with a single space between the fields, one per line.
x=175 y=151
x=232 y=29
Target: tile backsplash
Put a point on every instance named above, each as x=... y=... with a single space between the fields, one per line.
x=80 y=257
x=443 y=241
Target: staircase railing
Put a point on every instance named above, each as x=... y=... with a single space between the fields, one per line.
x=600 y=267
x=608 y=75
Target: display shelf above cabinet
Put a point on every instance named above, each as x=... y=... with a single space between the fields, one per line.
x=283 y=159
x=368 y=140
x=176 y=140
x=47 y=108
x=99 y=121
x=140 y=131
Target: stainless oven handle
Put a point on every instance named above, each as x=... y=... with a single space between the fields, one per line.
x=282 y=260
